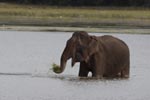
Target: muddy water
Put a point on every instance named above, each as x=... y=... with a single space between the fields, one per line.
x=25 y=70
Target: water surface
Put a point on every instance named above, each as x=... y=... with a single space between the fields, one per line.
x=25 y=70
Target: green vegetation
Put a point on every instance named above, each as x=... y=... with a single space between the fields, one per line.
x=56 y=68
x=12 y=14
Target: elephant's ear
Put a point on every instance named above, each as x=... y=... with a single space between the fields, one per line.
x=92 y=47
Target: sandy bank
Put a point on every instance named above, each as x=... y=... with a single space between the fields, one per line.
x=72 y=29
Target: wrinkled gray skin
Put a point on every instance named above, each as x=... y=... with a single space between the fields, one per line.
x=103 y=56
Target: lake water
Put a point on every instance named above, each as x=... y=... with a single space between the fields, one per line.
x=26 y=60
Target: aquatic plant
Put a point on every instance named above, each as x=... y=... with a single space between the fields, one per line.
x=56 y=68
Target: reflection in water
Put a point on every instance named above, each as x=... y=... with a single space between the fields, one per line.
x=71 y=78
x=63 y=77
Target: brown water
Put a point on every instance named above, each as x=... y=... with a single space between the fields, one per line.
x=25 y=70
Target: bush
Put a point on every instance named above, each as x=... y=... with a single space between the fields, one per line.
x=138 y=3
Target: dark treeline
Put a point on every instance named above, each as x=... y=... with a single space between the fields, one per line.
x=136 y=3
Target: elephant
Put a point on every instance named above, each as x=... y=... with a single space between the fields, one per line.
x=103 y=56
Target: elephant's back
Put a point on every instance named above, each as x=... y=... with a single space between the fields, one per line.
x=112 y=41
x=115 y=48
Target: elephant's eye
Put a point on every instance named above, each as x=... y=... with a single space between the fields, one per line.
x=81 y=50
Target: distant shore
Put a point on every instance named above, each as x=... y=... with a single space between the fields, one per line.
x=47 y=18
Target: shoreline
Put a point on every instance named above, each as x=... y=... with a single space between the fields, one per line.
x=132 y=30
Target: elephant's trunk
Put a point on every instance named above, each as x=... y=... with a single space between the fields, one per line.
x=67 y=54
x=63 y=62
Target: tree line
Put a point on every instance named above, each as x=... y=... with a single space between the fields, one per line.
x=134 y=3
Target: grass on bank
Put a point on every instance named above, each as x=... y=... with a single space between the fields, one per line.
x=55 y=16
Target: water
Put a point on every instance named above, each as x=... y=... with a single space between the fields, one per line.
x=25 y=70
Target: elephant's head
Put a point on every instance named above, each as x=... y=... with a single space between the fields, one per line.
x=79 y=47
